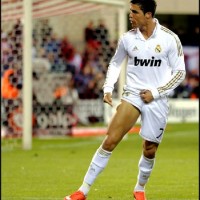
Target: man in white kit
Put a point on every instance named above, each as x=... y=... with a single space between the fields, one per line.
x=155 y=68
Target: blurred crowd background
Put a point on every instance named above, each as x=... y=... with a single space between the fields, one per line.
x=87 y=69
x=57 y=55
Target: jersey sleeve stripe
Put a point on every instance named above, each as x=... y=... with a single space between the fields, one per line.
x=172 y=82
x=178 y=43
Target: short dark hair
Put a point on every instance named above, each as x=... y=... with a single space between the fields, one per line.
x=146 y=5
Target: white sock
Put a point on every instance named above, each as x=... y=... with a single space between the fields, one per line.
x=85 y=188
x=98 y=163
x=139 y=187
x=145 y=167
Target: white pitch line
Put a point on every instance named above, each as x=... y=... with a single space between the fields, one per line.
x=63 y=146
x=8 y=148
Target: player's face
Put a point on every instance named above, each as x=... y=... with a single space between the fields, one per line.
x=136 y=16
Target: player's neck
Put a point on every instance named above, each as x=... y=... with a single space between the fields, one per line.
x=147 y=30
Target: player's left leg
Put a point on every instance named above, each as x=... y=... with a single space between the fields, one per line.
x=154 y=119
x=146 y=164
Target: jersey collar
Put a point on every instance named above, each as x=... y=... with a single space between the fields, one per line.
x=156 y=29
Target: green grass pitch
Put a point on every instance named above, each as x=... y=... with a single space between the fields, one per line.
x=56 y=167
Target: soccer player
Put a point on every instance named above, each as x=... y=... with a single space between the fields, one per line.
x=155 y=68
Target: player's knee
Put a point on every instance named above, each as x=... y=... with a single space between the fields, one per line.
x=149 y=150
x=149 y=153
x=109 y=144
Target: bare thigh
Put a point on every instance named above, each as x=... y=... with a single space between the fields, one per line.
x=125 y=117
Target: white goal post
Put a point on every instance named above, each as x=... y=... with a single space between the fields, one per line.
x=27 y=17
x=27 y=75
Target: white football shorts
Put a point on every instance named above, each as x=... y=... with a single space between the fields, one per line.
x=153 y=116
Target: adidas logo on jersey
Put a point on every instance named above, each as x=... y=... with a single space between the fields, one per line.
x=135 y=49
x=147 y=62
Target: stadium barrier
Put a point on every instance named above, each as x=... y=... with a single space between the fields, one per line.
x=181 y=110
x=58 y=115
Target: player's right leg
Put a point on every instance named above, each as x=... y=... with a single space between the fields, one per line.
x=123 y=120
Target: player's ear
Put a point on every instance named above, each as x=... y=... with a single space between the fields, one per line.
x=148 y=15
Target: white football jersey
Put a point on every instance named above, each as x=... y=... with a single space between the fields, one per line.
x=156 y=63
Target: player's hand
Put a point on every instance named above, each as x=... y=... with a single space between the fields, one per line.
x=108 y=98
x=146 y=96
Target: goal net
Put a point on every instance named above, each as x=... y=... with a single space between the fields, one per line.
x=72 y=44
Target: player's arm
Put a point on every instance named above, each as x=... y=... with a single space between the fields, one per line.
x=113 y=71
x=107 y=98
x=176 y=61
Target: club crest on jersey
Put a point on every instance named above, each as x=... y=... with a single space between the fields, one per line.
x=158 y=49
